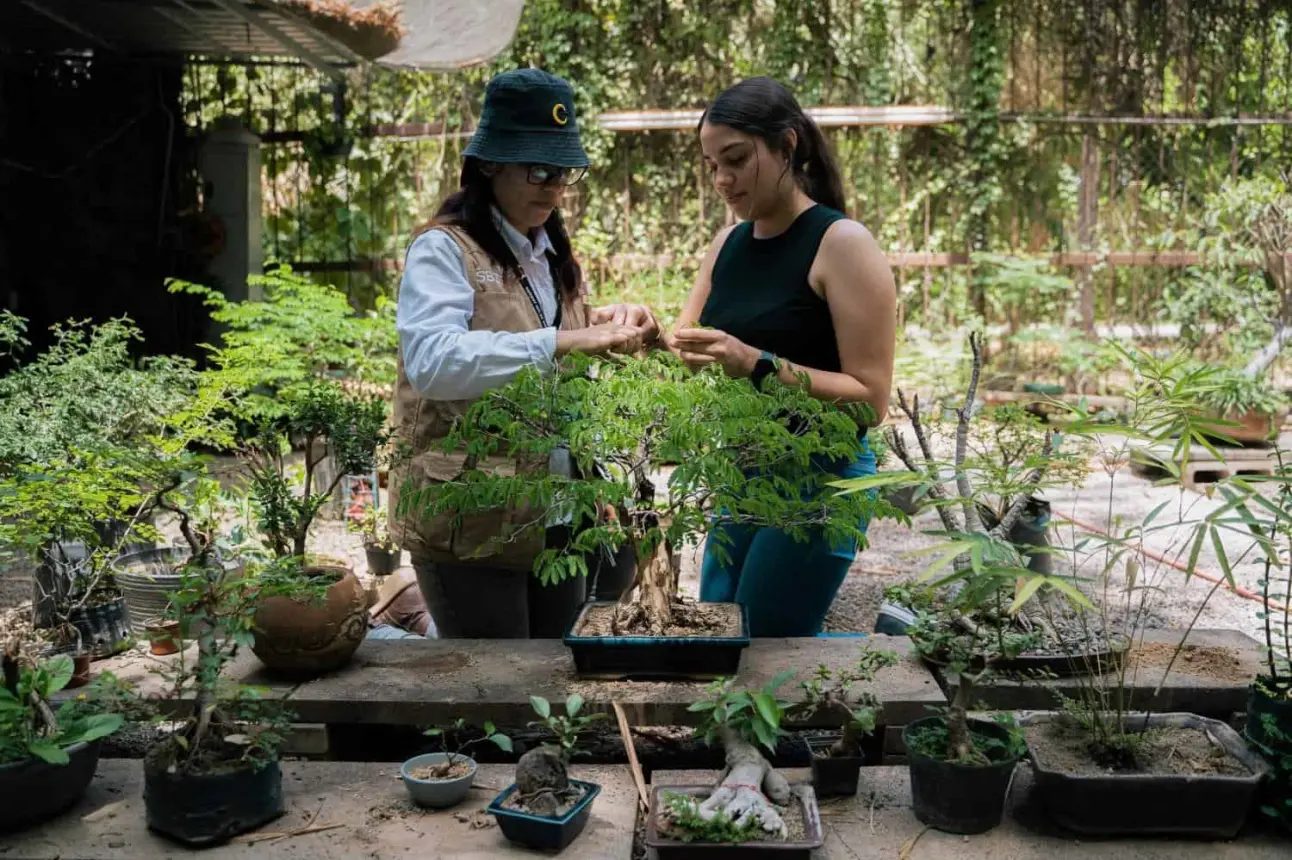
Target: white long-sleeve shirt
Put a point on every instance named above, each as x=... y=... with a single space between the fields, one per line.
x=443 y=358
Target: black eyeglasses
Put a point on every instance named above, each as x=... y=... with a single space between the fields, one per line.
x=546 y=174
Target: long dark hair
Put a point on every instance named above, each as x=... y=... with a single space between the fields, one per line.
x=764 y=108
x=470 y=208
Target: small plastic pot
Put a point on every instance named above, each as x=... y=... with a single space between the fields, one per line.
x=953 y=797
x=381 y=562
x=35 y=791
x=436 y=793
x=533 y=831
x=838 y=776
x=163 y=637
x=80 y=670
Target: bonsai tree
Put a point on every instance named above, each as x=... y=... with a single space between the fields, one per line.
x=621 y=421
x=831 y=691
x=455 y=756
x=543 y=785
x=30 y=728
x=745 y=801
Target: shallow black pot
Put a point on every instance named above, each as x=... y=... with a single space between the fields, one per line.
x=381 y=562
x=35 y=791
x=1263 y=708
x=660 y=657
x=534 y=831
x=958 y=798
x=1133 y=804
x=838 y=777
x=207 y=809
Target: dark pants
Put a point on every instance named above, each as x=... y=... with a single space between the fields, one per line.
x=473 y=601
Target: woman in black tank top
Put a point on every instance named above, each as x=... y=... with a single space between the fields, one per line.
x=795 y=288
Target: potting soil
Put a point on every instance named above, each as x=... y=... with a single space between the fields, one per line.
x=1175 y=751
x=1203 y=661
x=458 y=769
x=569 y=799
x=689 y=619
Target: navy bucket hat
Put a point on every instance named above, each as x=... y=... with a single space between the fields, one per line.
x=528 y=118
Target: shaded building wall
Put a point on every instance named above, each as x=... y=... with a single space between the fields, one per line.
x=97 y=195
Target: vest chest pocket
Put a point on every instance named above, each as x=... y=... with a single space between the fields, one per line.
x=503 y=310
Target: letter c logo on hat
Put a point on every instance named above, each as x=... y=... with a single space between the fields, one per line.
x=559 y=114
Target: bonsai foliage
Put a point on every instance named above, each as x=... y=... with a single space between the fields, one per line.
x=742 y=720
x=621 y=420
x=374 y=529
x=831 y=690
x=215 y=606
x=491 y=735
x=298 y=332
x=349 y=429
x=29 y=726
x=982 y=583
x=1231 y=393
x=568 y=726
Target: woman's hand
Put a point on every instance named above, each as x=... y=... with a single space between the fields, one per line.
x=599 y=339
x=701 y=346
x=637 y=316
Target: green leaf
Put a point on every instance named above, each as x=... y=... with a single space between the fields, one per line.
x=1025 y=593
x=433 y=732
x=1074 y=594
x=573 y=704
x=60 y=672
x=541 y=706
x=502 y=742
x=1222 y=557
x=47 y=752
x=776 y=683
x=489 y=728
x=767 y=709
x=764 y=734
x=697 y=707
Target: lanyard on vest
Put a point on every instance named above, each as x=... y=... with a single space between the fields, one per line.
x=533 y=295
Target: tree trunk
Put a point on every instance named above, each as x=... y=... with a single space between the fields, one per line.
x=655 y=589
x=959 y=744
x=1086 y=217
x=748 y=788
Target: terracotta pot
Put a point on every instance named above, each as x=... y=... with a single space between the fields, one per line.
x=1253 y=426
x=80 y=670
x=163 y=637
x=304 y=638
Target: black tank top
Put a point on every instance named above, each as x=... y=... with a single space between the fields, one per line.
x=759 y=291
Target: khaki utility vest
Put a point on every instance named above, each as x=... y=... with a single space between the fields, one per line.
x=508 y=538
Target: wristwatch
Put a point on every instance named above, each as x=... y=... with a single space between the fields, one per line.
x=766 y=365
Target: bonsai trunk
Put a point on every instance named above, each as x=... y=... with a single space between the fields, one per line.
x=748 y=788
x=959 y=743
x=655 y=587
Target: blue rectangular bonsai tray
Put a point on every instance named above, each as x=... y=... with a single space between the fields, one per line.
x=655 y=657
x=535 y=831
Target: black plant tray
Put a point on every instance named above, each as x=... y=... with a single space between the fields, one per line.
x=614 y=658
x=1129 y=804
x=671 y=849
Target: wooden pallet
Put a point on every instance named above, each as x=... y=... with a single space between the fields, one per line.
x=1202 y=467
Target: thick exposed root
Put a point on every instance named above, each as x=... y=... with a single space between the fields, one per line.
x=748 y=789
x=653 y=607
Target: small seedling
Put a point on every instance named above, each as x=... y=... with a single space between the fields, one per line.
x=567 y=726
x=754 y=716
x=831 y=690
x=445 y=768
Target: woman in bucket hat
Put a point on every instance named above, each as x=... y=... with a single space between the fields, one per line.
x=490 y=287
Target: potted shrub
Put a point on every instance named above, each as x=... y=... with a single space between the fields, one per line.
x=619 y=421
x=544 y=808
x=383 y=555
x=217 y=774
x=1104 y=764
x=47 y=758
x=1243 y=408
x=752 y=809
x=292 y=635
x=442 y=779
x=837 y=759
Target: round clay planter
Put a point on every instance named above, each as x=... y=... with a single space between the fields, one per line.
x=163 y=637
x=381 y=562
x=35 y=790
x=436 y=793
x=305 y=638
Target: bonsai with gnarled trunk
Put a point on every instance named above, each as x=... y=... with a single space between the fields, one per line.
x=739 y=455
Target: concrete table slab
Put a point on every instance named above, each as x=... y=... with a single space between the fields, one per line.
x=369 y=799
x=856 y=830
x=425 y=682
x=1211 y=683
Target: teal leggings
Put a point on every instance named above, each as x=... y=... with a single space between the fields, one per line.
x=785 y=586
